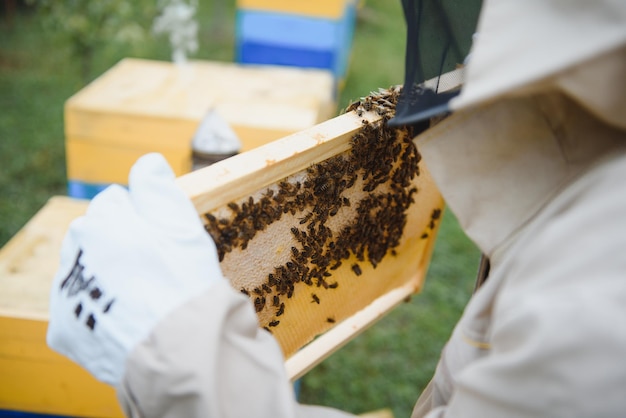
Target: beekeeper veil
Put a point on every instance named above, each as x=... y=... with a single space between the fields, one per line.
x=520 y=47
x=439 y=34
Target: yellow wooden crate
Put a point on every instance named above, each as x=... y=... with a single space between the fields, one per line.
x=33 y=378
x=140 y=106
x=332 y=9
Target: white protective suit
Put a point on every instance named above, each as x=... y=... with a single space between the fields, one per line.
x=535 y=171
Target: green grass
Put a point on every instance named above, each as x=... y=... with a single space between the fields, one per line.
x=32 y=166
x=385 y=367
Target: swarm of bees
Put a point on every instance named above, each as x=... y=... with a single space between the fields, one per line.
x=378 y=168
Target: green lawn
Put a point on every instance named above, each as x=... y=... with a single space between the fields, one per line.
x=385 y=367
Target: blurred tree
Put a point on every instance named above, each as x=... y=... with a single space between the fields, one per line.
x=88 y=25
x=178 y=21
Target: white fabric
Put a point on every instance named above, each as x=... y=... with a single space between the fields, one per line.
x=542 y=337
x=529 y=146
x=522 y=44
x=133 y=258
x=209 y=358
x=598 y=86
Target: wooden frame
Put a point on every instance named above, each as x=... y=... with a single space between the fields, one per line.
x=245 y=174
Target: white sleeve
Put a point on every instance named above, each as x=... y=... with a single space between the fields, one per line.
x=555 y=342
x=210 y=359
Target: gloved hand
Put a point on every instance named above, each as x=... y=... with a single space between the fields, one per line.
x=133 y=258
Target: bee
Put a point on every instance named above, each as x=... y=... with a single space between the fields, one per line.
x=351 y=181
x=276 y=300
x=274 y=323
x=234 y=207
x=280 y=310
x=385 y=103
x=259 y=303
x=322 y=185
x=245 y=292
x=271 y=279
x=309 y=198
x=330 y=320
x=315 y=298
x=356 y=269
x=306 y=218
x=352 y=106
x=369 y=186
x=280 y=199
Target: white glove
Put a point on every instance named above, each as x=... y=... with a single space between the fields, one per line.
x=133 y=258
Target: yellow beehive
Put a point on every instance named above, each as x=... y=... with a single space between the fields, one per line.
x=321 y=8
x=139 y=106
x=33 y=378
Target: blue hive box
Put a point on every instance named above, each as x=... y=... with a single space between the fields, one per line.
x=317 y=35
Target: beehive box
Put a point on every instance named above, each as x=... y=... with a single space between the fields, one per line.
x=325 y=230
x=139 y=106
x=300 y=33
x=33 y=378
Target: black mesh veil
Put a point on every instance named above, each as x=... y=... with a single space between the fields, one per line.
x=439 y=34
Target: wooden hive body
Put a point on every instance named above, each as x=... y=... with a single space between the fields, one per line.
x=297 y=33
x=33 y=378
x=141 y=106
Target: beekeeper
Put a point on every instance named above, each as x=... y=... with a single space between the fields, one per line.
x=532 y=161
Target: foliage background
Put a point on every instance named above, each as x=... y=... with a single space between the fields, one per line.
x=42 y=63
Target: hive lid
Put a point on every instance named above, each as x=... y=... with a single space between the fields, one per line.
x=136 y=91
